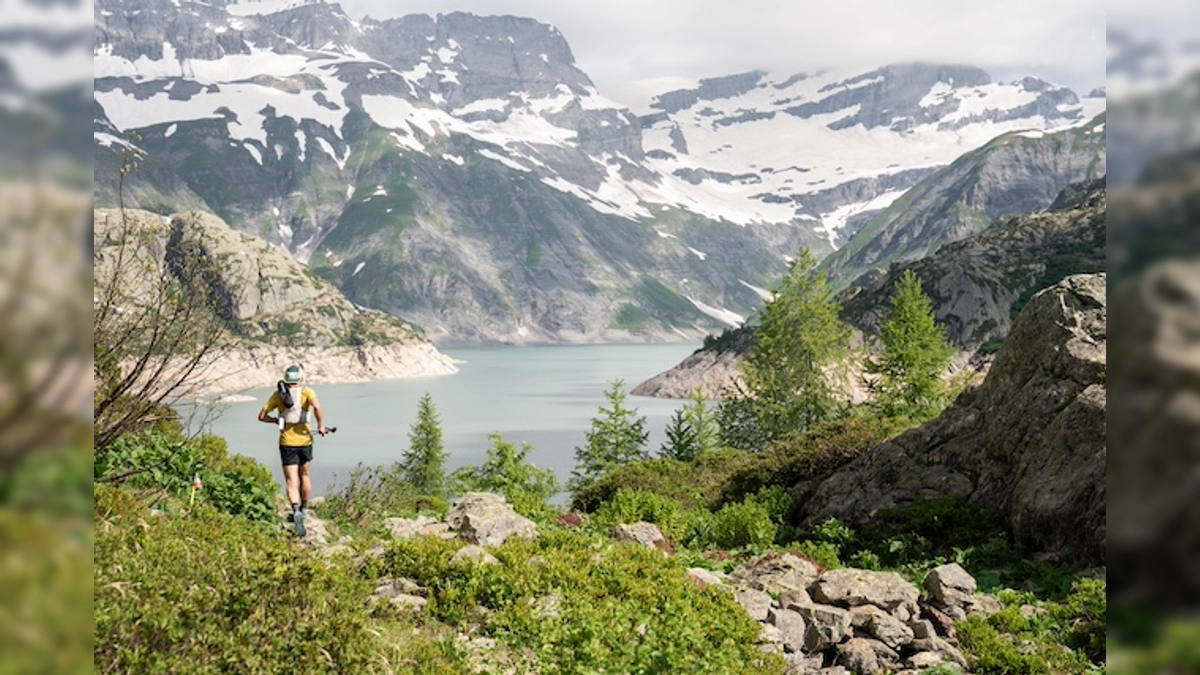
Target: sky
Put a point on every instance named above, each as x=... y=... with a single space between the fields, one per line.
x=633 y=49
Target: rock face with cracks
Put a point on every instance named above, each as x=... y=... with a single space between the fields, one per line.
x=1029 y=443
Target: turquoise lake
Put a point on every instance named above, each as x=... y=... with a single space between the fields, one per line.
x=543 y=395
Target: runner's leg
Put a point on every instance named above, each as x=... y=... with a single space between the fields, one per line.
x=305 y=483
x=291 y=477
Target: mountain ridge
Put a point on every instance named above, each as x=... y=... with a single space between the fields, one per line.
x=351 y=143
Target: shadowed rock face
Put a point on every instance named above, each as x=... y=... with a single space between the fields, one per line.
x=1028 y=443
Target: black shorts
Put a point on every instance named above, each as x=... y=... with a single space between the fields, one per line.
x=293 y=456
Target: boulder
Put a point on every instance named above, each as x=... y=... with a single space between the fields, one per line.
x=407 y=528
x=486 y=519
x=791 y=628
x=473 y=552
x=756 y=603
x=704 y=577
x=858 y=656
x=778 y=573
x=854 y=587
x=1153 y=522
x=922 y=660
x=936 y=644
x=950 y=589
x=646 y=534
x=825 y=626
x=887 y=629
x=1029 y=443
x=408 y=602
x=949 y=583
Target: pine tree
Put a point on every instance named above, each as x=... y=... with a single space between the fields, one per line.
x=692 y=431
x=423 y=464
x=681 y=439
x=617 y=437
x=798 y=338
x=915 y=354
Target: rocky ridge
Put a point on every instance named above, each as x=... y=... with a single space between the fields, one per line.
x=277 y=312
x=1017 y=172
x=976 y=286
x=979 y=284
x=461 y=171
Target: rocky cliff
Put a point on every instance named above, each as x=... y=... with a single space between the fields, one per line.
x=979 y=284
x=1017 y=172
x=275 y=310
x=1028 y=443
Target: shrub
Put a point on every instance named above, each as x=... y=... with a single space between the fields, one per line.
x=243 y=487
x=632 y=506
x=812 y=455
x=1085 y=616
x=693 y=484
x=162 y=463
x=205 y=593
x=372 y=492
x=823 y=553
x=568 y=603
x=1011 y=643
x=508 y=472
x=738 y=525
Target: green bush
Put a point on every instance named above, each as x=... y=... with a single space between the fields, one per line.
x=739 y=525
x=693 y=484
x=206 y=593
x=372 y=493
x=631 y=506
x=812 y=455
x=243 y=487
x=1085 y=616
x=155 y=461
x=823 y=553
x=569 y=603
x=1014 y=643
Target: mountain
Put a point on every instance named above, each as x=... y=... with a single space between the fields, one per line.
x=1017 y=172
x=275 y=310
x=462 y=172
x=976 y=286
x=979 y=284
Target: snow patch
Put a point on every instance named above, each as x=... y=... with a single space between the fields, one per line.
x=835 y=220
x=302 y=144
x=170 y=131
x=763 y=293
x=454 y=158
x=504 y=160
x=358 y=268
x=254 y=152
x=698 y=254
x=725 y=316
x=341 y=161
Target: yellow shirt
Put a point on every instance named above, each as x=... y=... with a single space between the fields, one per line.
x=293 y=435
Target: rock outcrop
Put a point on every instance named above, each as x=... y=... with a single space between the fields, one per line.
x=275 y=310
x=979 y=284
x=850 y=619
x=1029 y=443
x=485 y=519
